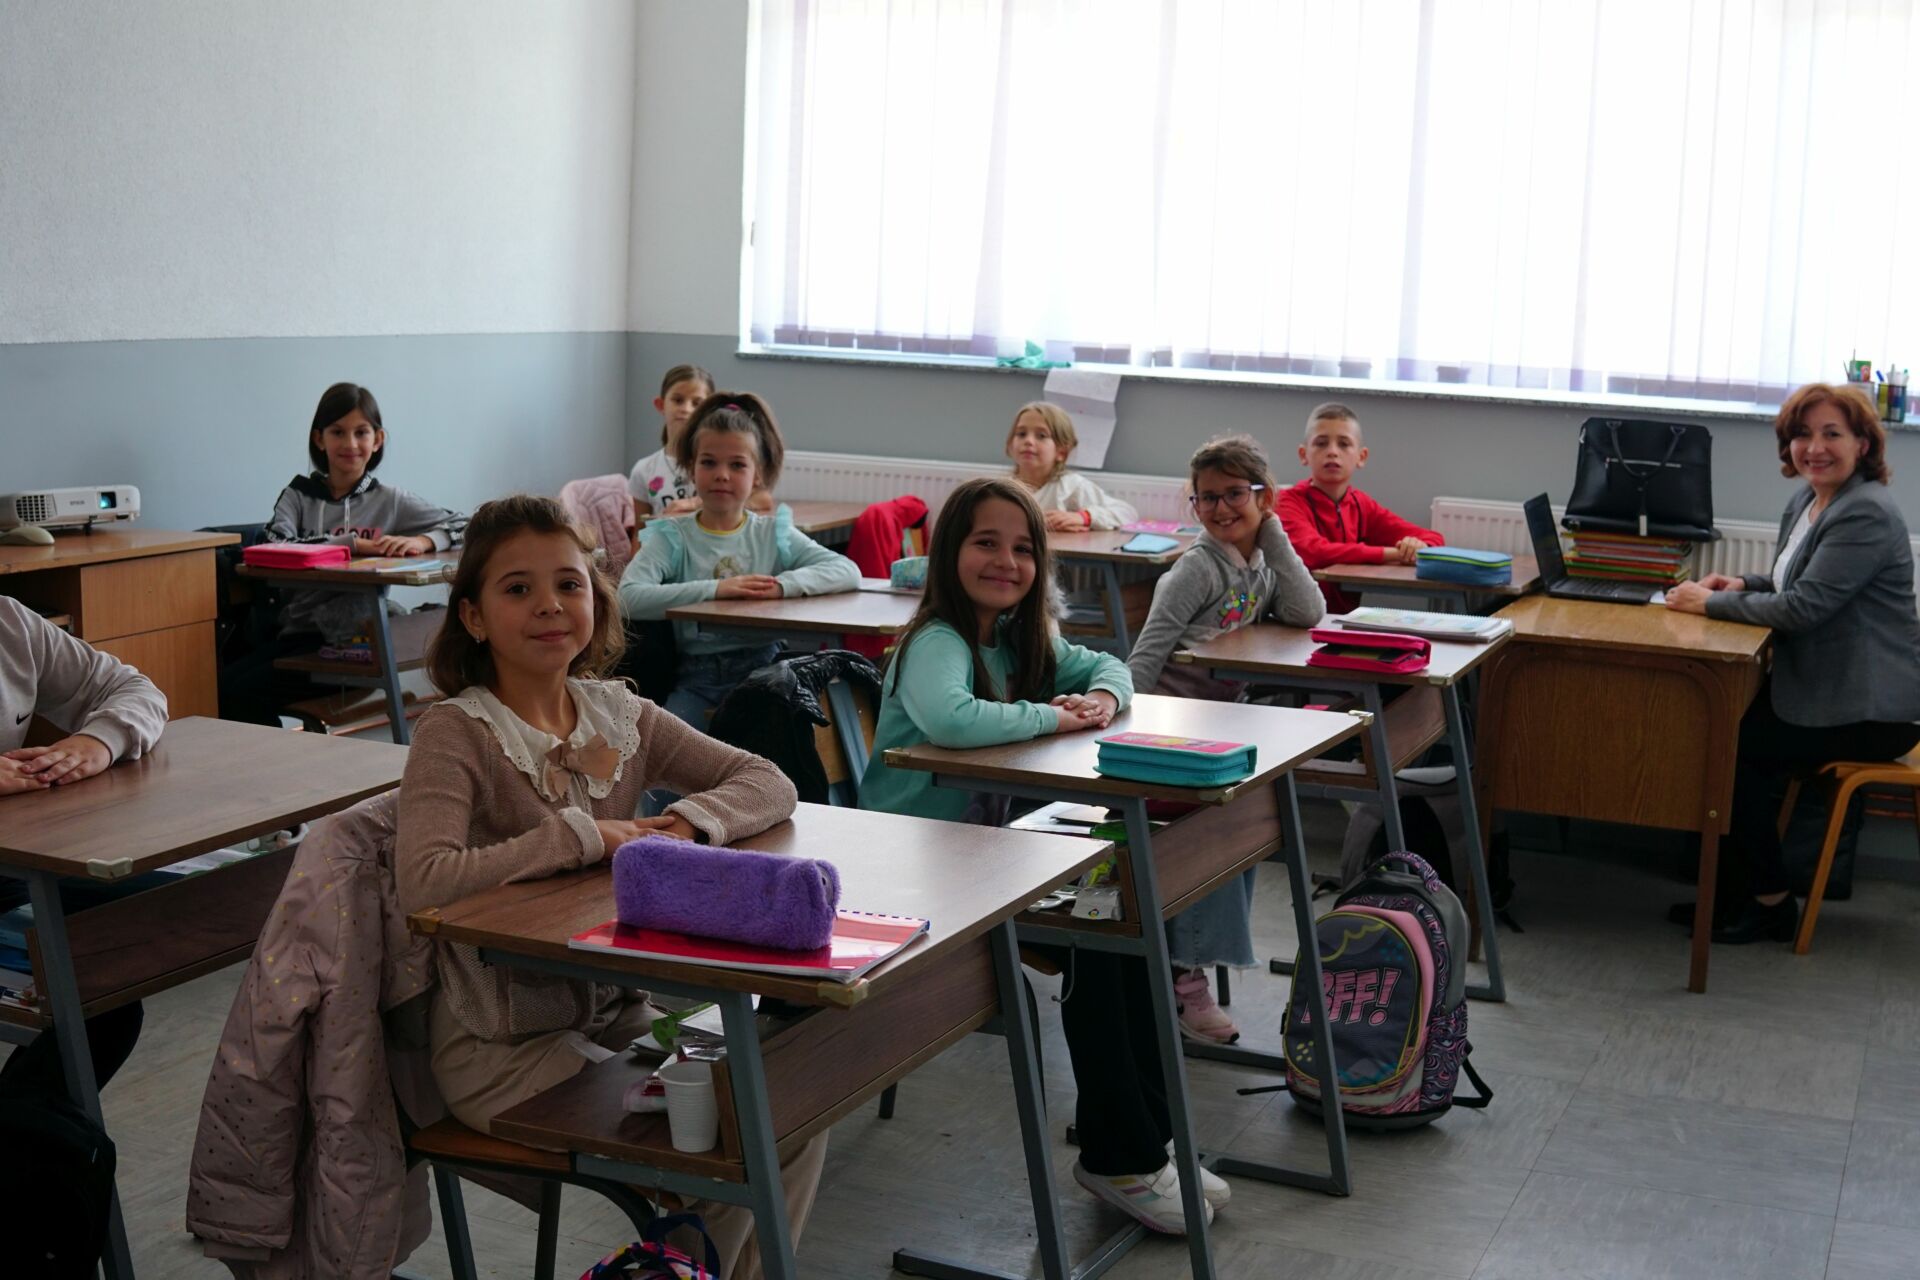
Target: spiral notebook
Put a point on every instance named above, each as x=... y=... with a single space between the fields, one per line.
x=861 y=940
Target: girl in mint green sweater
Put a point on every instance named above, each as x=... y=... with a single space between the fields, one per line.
x=980 y=665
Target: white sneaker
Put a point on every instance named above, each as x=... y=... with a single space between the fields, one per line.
x=1215 y=1188
x=1153 y=1199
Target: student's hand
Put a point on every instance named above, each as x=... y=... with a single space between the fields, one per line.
x=1722 y=582
x=614 y=833
x=682 y=506
x=68 y=760
x=1408 y=549
x=392 y=545
x=1097 y=708
x=1689 y=597
x=1066 y=521
x=749 y=586
x=14 y=778
x=667 y=824
x=761 y=501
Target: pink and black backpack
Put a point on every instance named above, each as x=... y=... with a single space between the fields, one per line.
x=1392 y=960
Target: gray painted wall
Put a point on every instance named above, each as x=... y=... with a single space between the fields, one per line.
x=1422 y=446
x=210 y=429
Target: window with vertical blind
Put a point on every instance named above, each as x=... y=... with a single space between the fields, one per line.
x=1687 y=198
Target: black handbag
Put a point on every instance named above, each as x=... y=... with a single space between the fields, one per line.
x=1654 y=479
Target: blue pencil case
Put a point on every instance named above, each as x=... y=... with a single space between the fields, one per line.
x=1463 y=565
x=1179 y=762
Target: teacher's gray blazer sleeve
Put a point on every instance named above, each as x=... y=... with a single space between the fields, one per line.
x=1853 y=545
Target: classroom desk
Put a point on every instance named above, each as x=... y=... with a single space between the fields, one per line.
x=1620 y=713
x=426 y=571
x=822 y=521
x=1161 y=874
x=1397 y=733
x=1400 y=579
x=1100 y=551
x=875 y=609
x=146 y=596
x=206 y=785
x=858 y=1039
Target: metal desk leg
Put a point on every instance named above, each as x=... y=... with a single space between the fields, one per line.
x=76 y=1055
x=1022 y=1044
x=768 y=1196
x=1338 y=1180
x=389 y=669
x=1385 y=787
x=1166 y=1018
x=1116 y=609
x=1495 y=987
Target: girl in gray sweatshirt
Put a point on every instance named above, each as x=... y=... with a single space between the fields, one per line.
x=1241 y=571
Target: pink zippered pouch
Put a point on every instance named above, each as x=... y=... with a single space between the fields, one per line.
x=295 y=555
x=1381 y=652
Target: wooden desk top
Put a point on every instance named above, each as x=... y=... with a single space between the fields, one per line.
x=1633 y=628
x=962 y=879
x=1282 y=738
x=861 y=613
x=1402 y=577
x=71 y=550
x=1269 y=649
x=825 y=517
x=208 y=784
x=1104 y=545
x=400 y=576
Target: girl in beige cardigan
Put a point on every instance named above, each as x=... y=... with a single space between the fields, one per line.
x=532 y=767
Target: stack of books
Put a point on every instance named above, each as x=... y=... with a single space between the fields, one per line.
x=1625 y=557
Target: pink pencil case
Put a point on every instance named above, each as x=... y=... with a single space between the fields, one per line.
x=295 y=555
x=1381 y=652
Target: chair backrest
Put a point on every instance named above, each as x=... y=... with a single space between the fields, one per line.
x=601 y=505
x=844 y=775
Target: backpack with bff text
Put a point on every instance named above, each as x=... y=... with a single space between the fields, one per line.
x=1392 y=959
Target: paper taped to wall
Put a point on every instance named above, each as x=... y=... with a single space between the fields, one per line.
x=1089 y=398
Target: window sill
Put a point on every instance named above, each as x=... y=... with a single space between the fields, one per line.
x=1625 y=405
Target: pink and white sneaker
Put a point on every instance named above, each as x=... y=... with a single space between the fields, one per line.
x=1201 y=1019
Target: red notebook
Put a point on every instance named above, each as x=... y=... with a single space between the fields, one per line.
x=861 y=940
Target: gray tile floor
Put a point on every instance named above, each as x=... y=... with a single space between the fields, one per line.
x=1770 y=1128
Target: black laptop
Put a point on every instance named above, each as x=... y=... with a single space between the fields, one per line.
x=1553 y=568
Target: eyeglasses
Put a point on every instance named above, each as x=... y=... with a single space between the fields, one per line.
x=1235 y=497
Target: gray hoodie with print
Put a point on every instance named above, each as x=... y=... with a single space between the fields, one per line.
x=1210 y=591
x=307 y=511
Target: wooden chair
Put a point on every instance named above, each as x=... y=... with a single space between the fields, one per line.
x=452 y=1149
x=1848 y=776
x=351 y=711
x=844 y=774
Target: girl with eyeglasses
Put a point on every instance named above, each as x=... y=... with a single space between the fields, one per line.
x=1240 y=571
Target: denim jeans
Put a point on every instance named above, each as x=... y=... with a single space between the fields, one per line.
x=703 y=680
x=1218 y=929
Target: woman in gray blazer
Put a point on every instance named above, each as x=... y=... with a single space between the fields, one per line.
x=1846 y=642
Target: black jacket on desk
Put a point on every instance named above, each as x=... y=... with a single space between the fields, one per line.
x=1846 y=643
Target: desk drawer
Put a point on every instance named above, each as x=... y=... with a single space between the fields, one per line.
x=127 y=597
x=180 y=660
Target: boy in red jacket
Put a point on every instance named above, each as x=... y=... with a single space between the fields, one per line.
x=1330 y=522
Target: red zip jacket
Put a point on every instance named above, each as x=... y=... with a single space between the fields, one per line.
x=1355 y=530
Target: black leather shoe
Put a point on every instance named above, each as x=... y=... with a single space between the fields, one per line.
x=1757 y=923
x=1681 y=913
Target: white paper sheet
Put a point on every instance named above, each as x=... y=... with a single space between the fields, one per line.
x=1089 y=397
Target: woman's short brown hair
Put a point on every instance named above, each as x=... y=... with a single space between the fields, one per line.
x=1861 y=418
x=456 y=660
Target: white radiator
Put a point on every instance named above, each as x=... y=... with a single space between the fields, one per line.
x=843 y=477
x=1745 y=546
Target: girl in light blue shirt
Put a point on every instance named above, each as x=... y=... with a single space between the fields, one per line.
x=725 y=551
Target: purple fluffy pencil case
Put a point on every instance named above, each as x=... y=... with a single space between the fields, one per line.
x=766 y=899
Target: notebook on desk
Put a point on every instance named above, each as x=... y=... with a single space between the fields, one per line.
x=861 y=940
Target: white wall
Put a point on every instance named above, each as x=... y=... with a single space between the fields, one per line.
x=689 y=136
x=220 y=168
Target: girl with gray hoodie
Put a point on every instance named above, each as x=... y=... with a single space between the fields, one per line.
x=1242 y=570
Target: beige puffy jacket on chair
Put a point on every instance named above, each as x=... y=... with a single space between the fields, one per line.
x=299 y=1167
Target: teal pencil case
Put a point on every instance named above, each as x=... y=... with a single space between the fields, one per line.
x=1179 y=762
